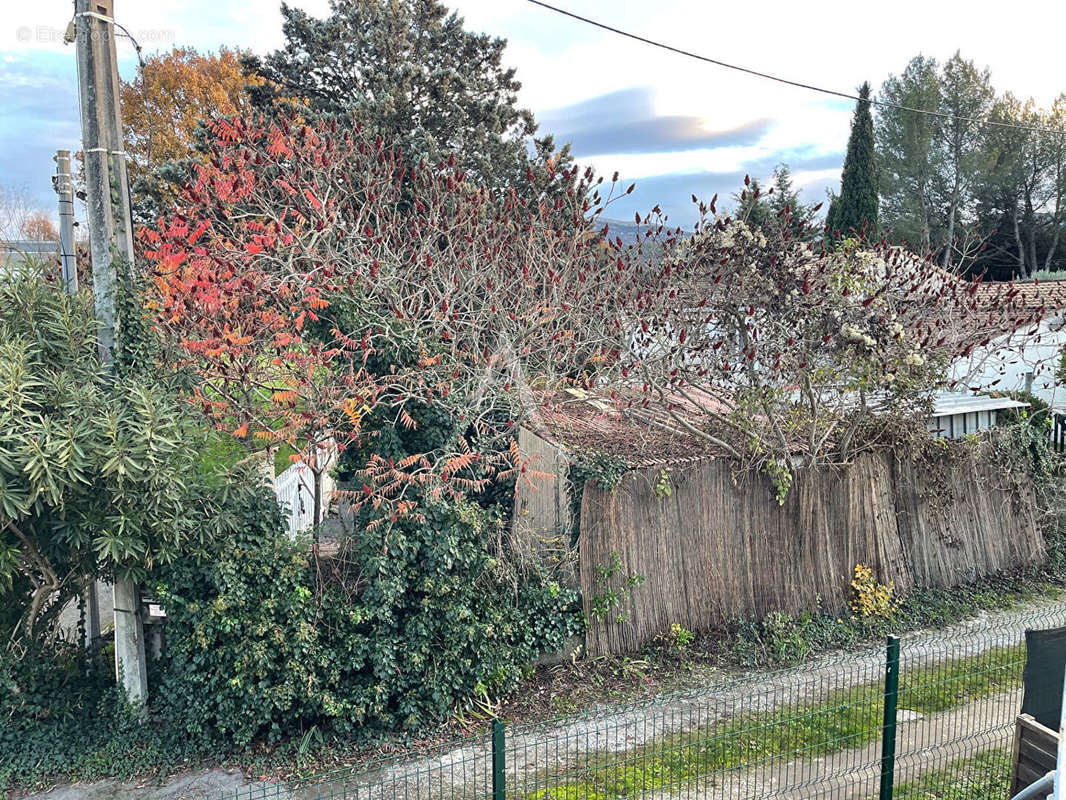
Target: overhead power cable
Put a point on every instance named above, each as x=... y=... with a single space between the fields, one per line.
x=786 y=81
x=140 y=62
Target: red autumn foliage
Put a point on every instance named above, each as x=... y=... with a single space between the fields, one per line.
x=311 y=276
x=300 y=255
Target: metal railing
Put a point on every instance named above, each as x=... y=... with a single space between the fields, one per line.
x=1058 y=432
x=932 y=715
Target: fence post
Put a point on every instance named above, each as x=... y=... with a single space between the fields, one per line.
x=499 y=761
x=888 y=727
x=1060 y=761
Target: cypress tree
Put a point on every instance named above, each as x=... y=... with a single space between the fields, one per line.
x=856 y=207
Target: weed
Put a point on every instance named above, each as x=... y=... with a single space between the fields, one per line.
x=680 y=637
x=663 y=487
x=870 y=598
x=610 y=597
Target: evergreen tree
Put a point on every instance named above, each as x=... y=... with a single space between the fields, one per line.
x=979 y=198
x=833 y=199
x=910 y=155
x=412 y=72
x=856 y=208
x=966 y=95
x=752 y=205
x=785 y=204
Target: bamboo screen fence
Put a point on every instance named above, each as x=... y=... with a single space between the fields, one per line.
x=718 y=546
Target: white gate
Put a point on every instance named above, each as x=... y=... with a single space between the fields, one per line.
x=295 y=490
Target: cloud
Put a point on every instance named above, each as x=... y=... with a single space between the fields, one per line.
x=625 y=121
x=673 y=192
x=38 y=94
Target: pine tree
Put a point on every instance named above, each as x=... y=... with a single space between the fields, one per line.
x=855 y=210
x=785 y=204
x=910 y=154
x=409 y=70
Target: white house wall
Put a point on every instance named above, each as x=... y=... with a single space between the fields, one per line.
x=1005 y=365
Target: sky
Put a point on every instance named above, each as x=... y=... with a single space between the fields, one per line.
x=675 y=126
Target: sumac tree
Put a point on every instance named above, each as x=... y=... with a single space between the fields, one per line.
x=780 y=353
x=303 y=254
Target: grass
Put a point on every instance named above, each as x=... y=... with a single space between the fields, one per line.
x=985 y=775
x=283 y=458
x=843 y=720
x=219 y=452
x=777 y=641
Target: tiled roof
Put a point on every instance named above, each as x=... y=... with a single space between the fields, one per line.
x=581 y=424
x=647 y=438
x=1034 y=295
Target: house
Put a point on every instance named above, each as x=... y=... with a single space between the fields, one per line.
x=16 y=251
x=1026 y=359
x=956 y=414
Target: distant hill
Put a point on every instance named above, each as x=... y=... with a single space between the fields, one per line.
x=627 y=230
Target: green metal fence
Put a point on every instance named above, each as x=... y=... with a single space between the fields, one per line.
x=930 y=716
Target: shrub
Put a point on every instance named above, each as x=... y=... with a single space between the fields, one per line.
x=399 y=629
x=97 y=470
x=446 y=616
x=243 y=651
x=870 y=598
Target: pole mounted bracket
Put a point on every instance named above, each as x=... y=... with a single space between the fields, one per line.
x=95 y=15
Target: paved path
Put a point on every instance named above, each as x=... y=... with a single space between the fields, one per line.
x=214 y=784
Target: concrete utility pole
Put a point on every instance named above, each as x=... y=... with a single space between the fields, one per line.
x=110 y=239
x=65 y=190
x=64 y=187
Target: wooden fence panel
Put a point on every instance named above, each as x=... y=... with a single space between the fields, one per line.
x=1035 y=753
x=719 y=547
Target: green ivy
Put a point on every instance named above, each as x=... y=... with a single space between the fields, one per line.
x=604 y=469
x=612 y=594
x=61 y=715
x=259 y=647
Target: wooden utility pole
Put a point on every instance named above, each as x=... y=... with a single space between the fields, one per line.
x=65 y=190
x=110 y=240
